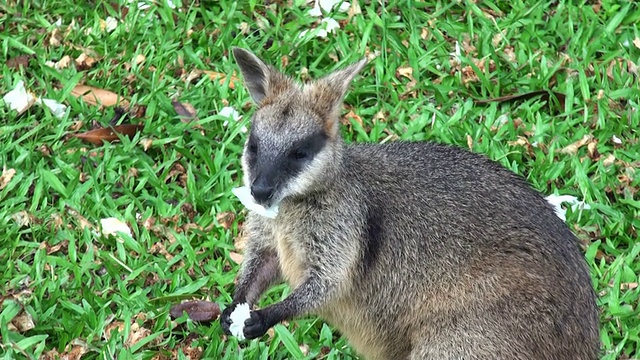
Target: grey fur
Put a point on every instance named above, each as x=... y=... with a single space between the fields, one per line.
x=411 y=250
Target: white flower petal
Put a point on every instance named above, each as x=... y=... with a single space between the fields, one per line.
x=19 y=99
x=111 y=226
x=557 y=200
x=238 y=317
x=58 y=109
x=111 y=24
x=616 y=140
x=331 y=24
x=244 y=195
x=229 y=112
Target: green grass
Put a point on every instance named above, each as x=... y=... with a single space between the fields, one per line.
x=77 y=286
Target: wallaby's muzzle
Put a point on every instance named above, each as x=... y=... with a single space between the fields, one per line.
x=262 y=191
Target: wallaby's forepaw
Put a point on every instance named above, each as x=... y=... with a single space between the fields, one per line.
x=256 y=325
x=225 y=318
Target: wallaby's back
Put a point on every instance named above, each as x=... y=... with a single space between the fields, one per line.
x=449 y=236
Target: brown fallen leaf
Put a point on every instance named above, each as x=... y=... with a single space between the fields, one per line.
x=346 y=120
x=469 y=142
x=84 y=62
x=5 y=178
x=225 y=219
x=84 y=223
x=235 y=257
x=108 y=331
x=573 y=148
x=609 y=160
x=159 y=248
x=404 y=71
x=630 y=285
x=201 y=311
x=137 y=333
x=23 y=322
x=19 y=61
x=186 y=111
x=240 y=242
x=73 y=351
x=592 y=150
x=95 y=96
x=109 y=134
x=54 y=248
x=222 y=78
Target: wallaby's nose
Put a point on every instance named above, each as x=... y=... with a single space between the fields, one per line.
x=261 y=192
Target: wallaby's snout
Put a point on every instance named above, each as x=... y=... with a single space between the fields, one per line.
x=262 y=190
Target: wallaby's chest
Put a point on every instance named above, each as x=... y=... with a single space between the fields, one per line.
x=292 y=255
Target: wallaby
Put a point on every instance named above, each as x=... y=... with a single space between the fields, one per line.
x=412 y=250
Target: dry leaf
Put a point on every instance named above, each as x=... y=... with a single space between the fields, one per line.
x=84 y=62
x=304 y=348
x=509 y=53
x=424 y=33
x=225 y=219
x=159 y=248
x=7 y=175
x=630 y=285
x=497 y=38
x=23 y=322
x=78 y=349
x=469 y=142
x=50 y=249
x=109 y=134
x=636 y=42
x=405 y=71
x=240 y=242
x=522 y=141
x=84 y=223
x=108 y=331
x=22 y=218
x=95 y=96
x=609 y=160
x=352 y=116
x=572 y=149
x=19 y=61
x=146 y=143
x=136 y=333
x=139 y=59
x=201 y=311
x=354 y=10
x=235 y=257
x=222 y=78
x=61 y=64
x=186 y=111
x=592 y=150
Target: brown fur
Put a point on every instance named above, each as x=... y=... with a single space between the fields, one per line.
x=411 y=250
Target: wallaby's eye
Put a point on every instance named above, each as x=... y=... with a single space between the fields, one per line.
x=300 y=154
x=253 y=147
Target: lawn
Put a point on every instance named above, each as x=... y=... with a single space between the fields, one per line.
x=445 y=71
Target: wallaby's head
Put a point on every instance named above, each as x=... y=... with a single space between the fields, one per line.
x=294 y=138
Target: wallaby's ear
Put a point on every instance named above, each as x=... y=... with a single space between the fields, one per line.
x=328 y=92
x=261 y=80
